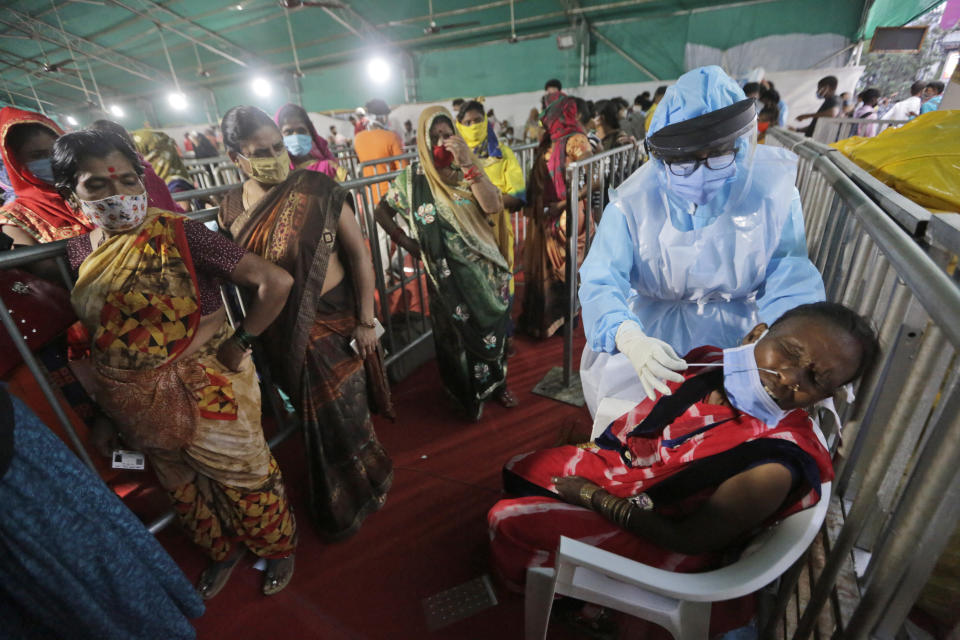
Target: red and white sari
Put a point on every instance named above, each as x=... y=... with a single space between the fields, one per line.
x=677 y=449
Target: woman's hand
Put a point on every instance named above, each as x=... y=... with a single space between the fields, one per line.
x=410 y=245
x=103 y=436
x=461 y=152
x=231 y=354
x=366 y=341
x=571 y=488
x=554 y=210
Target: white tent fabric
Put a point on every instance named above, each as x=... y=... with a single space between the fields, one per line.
x=789 y=51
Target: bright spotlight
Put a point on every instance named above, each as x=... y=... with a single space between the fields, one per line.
x=177 y=100
x=116 y=110
x=379 y=70
x=71 y=121
x=261 y=87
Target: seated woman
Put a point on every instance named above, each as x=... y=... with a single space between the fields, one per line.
x=167 y=369
x=306 y=148
x=678 y=481
x=545 y=292
x=39 y=214
x=303 y=222
x=447 y=202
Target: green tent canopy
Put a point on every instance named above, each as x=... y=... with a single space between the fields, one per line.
x=83 y=57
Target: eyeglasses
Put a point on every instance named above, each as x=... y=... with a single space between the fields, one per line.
x=714 y=163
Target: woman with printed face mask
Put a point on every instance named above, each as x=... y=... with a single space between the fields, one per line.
x=447 y=202
x=175 y=379
x=304 y=222
x=681 y=479
x=306 y=148
x=39 y=214
x=697 y=246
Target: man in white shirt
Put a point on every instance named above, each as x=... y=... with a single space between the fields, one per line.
x=907 y=109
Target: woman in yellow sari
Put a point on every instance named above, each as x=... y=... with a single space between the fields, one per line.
x=168 y=370
x=501 y=166
x=161 y=151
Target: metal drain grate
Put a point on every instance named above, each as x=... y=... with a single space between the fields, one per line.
x=459 y=602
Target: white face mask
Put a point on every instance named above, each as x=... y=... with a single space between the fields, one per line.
x=702 y=185
x=118 y=212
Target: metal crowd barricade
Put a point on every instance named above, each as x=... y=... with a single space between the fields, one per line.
x=395 y=270
x=898 y=483
x=212 y=172
x=593 y=176
x=829 y=130
x=347 y=158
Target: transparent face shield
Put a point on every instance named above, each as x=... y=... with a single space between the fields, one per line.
x=705 y=140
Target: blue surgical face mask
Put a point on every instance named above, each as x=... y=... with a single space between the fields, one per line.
x=298 y=144
x=741 y=380
x=702 y=185
x=42 y=169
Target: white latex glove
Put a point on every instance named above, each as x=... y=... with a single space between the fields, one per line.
x=654 y=360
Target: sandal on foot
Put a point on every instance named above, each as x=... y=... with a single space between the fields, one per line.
x=278 y=575
x=215 y=576
x=507 y=399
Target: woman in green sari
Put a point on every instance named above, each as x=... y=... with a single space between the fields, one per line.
x=448 y=202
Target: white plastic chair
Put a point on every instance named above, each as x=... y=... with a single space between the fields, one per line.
x=679 y=602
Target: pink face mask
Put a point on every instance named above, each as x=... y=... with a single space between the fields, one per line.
x=117 y=212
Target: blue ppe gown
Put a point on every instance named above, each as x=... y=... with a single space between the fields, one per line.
x=693 y=275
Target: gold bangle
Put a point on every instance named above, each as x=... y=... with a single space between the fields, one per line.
x=368 y=325
x=586 y=494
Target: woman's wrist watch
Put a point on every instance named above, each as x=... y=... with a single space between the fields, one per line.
x=245 y=339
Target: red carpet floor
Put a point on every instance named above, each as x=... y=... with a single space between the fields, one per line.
x=430 y=536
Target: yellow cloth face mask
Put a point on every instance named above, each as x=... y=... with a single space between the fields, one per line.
x=474 y=134
x=269 y=170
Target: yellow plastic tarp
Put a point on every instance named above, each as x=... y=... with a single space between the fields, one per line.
x=921 y=159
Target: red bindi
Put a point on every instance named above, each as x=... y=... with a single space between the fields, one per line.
x=111 y=169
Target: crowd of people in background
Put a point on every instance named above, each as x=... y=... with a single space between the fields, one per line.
x=151 y=317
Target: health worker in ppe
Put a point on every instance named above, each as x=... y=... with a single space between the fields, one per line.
x=696 y=247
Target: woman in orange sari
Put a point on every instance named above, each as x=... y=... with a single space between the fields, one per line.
x=545 y=249
x=168 y=370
